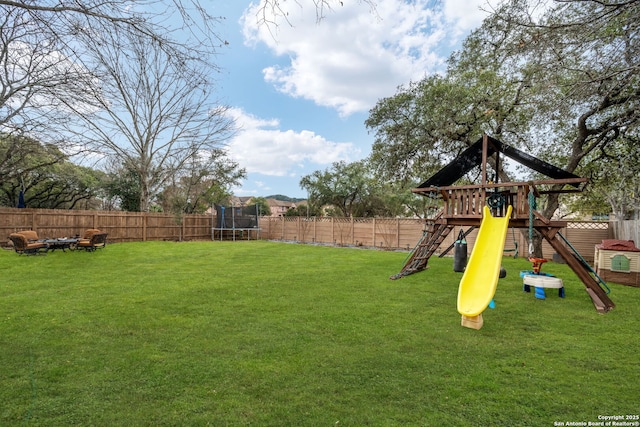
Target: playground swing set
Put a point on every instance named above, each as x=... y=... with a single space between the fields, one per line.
x=493 y=207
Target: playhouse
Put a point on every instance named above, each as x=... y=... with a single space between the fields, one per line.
x=618 y=261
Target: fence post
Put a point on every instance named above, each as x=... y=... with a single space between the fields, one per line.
x=333 y=234
x=34 y=221
x=144 y=226
x=353 y=231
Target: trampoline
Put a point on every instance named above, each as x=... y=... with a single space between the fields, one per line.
x=236 y=223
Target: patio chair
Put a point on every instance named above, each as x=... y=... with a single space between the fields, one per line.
x=22 y=246
x=30 y=235
x=86 y=237
x=97 y=241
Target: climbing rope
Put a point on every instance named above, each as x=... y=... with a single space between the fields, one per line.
x=532 y=206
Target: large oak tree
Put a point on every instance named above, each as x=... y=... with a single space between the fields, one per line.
x=560 y=79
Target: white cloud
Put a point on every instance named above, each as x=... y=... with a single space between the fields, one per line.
x=261 y=147
x=258 y=188
x=354 y=57
x=466 y=15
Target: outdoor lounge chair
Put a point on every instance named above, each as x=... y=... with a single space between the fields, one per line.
x=23 y=246
x=86 y=237
x=97 y=241
x=30 y=235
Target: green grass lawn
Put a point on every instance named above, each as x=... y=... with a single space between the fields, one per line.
x=274 y=334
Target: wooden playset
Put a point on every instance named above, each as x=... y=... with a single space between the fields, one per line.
x=463 y=206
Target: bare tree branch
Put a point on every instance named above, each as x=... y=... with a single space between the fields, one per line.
x=271 y=12
x=151 y=112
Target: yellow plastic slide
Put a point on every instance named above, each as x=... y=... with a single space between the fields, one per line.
x=480 y=279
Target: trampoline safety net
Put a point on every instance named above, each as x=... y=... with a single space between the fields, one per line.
x=230 y=217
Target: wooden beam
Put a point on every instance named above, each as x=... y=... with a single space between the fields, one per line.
x=485 y=147
x=600 y=299
x=541 y=217
x=504 y=184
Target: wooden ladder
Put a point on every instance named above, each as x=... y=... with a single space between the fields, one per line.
x=434 y=234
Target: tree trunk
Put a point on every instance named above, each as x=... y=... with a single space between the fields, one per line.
x=552 y=204
x=144 y=195
x=537 y=245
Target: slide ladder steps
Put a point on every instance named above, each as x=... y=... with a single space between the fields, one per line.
x=440 y=233
x=433 y=236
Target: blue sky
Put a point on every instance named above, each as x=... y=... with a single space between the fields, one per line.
x=300 y=92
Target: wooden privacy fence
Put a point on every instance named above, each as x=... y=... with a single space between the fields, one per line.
x=404 y=234
x=382 y=233
x=385 y=233
x=627 y=230
x=121 y=226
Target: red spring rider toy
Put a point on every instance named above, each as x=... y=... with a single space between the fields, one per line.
x=537 y=264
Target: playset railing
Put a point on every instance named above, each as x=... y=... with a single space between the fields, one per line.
x=466 y=201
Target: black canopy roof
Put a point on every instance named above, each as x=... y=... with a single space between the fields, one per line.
x=472 y=157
